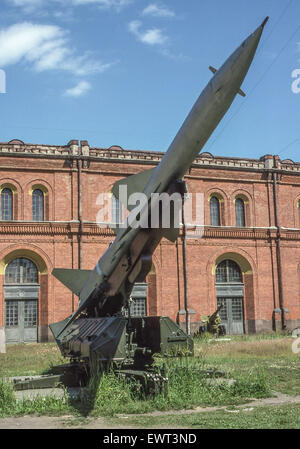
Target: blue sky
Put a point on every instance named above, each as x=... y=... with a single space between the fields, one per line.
x=127 y=72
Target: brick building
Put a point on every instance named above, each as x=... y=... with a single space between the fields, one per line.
x=248 y=256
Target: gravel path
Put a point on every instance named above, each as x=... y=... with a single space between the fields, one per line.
x=70 y=421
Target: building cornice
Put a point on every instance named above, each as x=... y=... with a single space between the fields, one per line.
x=90 y=229
x=73 y=150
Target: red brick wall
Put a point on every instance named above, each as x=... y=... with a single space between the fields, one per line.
x=57 y=243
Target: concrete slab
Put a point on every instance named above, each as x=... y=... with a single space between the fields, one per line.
x=221 y=380
x=58 y=393
x=2 y=341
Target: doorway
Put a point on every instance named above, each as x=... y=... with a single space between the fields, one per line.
x=230 y=293
x=231 y=314
x=21 y=290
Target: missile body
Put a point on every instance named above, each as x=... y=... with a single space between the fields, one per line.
x=107 y=282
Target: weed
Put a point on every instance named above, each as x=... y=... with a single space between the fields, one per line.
x=10 y=406
x=255 y=385
x=7 y=397
x=257 y=364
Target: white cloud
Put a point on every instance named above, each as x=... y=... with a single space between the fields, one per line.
x=44 y=47
x=80 y=89
x=157 y=11
x=103 y=3
x=153 y=36
x=28 y=6
x=28 y=41
x=26 y=2
x=134 y=26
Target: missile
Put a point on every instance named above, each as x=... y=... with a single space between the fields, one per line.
x=104 y=290
x=213 y=70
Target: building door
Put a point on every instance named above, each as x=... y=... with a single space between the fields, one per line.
x=230 y=292
x=21 y=321
x=21 y=291
x=231 y=315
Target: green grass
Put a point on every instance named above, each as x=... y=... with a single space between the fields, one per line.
x=257 y=363
x=244 y=353
x=29 y=359
x=245 y=337
x=9 y=406
x=281 y=417
x=188 y=388
x=108 y=395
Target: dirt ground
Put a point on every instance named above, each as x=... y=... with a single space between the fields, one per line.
x=70 y=421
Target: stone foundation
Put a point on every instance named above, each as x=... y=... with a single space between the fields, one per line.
x=45 y=334
x=2 y=340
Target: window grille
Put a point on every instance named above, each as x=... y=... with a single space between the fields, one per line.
x=30 y=313
x=137 y=307
x=237 y=309
x=21 y=271
x=37 y=205
x=6 y=204
x=228 y=271
x=240 y=212
x=223 y=310
x=11 y=314
x=214 y=211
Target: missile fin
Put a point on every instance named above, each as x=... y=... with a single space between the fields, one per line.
x=134 y=183
x=213 y=70
x=57 y=328
x=171 y=234
x=73 y=279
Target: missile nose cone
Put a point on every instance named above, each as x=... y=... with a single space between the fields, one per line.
x=252 y=41
x=259 y=30
x=265 y=21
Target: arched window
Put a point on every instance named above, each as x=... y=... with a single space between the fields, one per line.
x=239 y=212
x=116 y=210
x=228 y=271
x=37 y=205
x=214 y=211
x=6 y=204
x=21 y=271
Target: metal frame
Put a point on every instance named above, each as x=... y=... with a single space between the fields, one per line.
x=38 y=206
x=6 y=204
x=214 y=209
